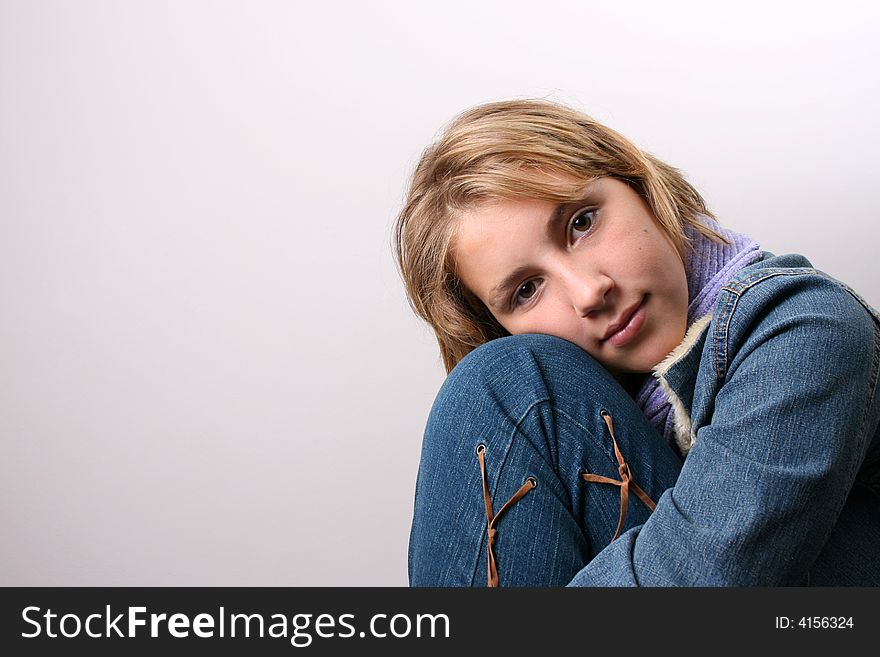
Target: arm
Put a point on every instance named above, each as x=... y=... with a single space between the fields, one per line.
x=769 y=474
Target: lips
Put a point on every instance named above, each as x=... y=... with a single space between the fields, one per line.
x=625 y=328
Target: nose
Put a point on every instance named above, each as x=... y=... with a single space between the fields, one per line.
x=587 y=291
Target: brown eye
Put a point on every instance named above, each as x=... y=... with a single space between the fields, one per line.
x=581 y=223
x=526 y=291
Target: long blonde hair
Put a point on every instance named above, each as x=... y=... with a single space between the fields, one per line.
x=533 y=149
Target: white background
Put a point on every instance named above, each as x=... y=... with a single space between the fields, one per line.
x=209 y=374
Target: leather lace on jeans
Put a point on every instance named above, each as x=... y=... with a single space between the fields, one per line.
x=625 y=482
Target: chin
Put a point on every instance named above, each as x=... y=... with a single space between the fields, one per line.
x=646 y=362
x=630 y=367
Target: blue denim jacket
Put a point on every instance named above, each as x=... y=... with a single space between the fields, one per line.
x=776 y=403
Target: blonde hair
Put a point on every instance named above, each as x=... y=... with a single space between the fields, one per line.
x=532 y=149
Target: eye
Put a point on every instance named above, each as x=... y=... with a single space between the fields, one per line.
x=581 y=223
x=525 y=292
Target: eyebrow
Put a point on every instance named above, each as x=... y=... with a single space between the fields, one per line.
x=501 y=291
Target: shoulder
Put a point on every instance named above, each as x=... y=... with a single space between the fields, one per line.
x=785 y=301
x=789 y=284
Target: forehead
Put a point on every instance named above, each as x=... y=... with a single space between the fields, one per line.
x=498 y=223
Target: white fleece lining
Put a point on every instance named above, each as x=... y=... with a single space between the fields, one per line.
x=681 y=421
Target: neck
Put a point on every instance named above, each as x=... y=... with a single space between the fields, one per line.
x=631 y=382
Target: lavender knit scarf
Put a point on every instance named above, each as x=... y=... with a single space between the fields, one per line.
x=709 y=266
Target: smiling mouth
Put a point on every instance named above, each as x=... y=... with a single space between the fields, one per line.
x=628 y=326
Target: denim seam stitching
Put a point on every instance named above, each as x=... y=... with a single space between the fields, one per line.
x=721 y=335
x=604 y=448
x=739 y=286
x=557 y=411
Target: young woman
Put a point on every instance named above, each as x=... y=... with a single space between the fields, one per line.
x=636 y=396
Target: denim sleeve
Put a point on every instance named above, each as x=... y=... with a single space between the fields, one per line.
x=795 y=363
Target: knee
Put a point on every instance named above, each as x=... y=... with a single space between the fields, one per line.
x=515 y=372
x=520 y=352
x=491 y=392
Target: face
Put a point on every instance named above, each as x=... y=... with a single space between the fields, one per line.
x=599 y=273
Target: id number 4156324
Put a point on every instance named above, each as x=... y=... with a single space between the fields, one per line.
x=814 y=622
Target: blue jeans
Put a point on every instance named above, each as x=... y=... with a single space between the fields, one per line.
x=514 y=429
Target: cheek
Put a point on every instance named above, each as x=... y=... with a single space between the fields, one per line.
x=680 y=284
x=666 y=269
x=551 y=319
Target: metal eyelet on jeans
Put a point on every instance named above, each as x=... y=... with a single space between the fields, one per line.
x=533 y=481
x=480 y=448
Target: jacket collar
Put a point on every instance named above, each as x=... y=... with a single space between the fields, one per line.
x=677 y=374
